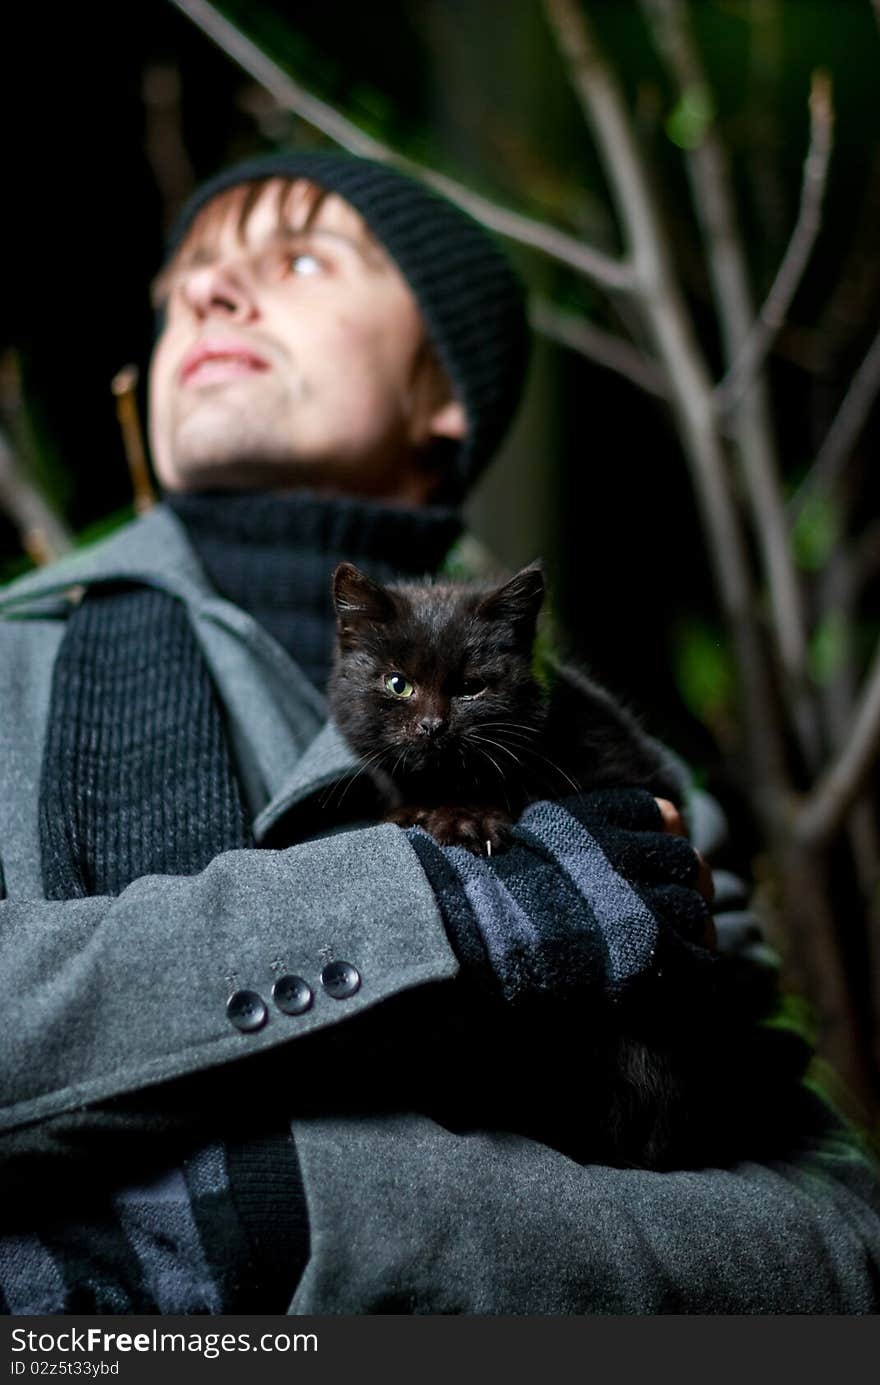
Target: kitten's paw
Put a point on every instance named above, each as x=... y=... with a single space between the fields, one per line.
x=485 y=832
x=410 y=815
x=481 y=830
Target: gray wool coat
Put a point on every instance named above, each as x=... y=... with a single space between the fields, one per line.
x=107 y=996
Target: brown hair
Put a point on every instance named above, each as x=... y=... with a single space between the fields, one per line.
x=239 y=201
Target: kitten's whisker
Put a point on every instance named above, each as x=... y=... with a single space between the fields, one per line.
x=513 y=734
x=372 y=759
x=578 y=788
x=487 y=740
x=516 y=726
x=499 y=745
x=401 y=759
x=533 y=753
x=522 y=728
x=492 y=760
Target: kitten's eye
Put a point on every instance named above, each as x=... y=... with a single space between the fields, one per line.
x=400 y=686
x=471 y=687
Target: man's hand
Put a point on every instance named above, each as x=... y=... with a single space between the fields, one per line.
x=581 y=899
x=704 y=884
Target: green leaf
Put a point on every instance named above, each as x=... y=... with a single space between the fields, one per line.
x=15 y=567
x=704 y=670
x=686 y=126
x=796 y=1013
x=816 y=532
x=371 y=103
x=829 y=647
x=104 y=526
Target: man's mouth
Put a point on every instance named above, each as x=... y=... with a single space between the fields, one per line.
x=210 y=362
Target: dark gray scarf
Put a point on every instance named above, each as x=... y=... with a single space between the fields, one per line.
x=138 y=776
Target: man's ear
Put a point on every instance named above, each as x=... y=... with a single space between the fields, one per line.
x=435 y=412
x=449 y=421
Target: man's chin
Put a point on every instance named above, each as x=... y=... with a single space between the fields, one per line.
x=243 y=472
x=211 y=449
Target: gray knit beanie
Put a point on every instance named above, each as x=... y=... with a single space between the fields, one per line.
x=472 y=303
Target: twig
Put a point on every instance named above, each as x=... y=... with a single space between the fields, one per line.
x=839 y=786
x=751 y=421
x=124 y=389
x=866 y=557
x=839 y=588
x=577 y=333
x=602 y=269
x=164 y=145
x=843 y=434
x=753 y=352
x=689 y=382
x=43 y=536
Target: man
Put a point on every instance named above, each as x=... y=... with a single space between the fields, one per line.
x=254 y=1028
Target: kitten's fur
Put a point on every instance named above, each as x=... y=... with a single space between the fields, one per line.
x=462 y=754
x=659 y=1080
x=477 y=738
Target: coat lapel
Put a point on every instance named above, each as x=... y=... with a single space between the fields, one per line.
x=286 y=749
x=327 y=761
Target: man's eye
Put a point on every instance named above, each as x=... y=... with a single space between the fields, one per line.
x=398 y=685
x=305 y=263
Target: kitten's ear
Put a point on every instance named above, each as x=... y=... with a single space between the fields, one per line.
x=359 y=601
x=518 y=602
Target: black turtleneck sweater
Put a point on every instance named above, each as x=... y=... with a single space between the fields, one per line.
x=273 y=554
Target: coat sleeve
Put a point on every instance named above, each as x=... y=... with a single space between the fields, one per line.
x=487 y=1223
x=104 y=996
x=108 y=996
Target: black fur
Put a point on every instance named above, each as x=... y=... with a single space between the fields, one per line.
x=462 y=762
x=662 y=1079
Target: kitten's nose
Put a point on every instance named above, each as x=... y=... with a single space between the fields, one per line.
x=431 y=726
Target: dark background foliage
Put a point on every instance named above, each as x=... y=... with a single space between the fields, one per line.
x=112 y=114
x=86 y=218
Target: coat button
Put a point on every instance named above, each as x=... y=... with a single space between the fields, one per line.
x=292 y=995
x=340 y=979
x=246 y=1010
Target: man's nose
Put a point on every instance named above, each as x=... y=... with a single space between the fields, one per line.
x=221 y=290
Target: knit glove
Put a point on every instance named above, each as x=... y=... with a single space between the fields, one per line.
x=582 y=899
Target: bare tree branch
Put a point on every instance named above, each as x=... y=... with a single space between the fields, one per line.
x=164 y=145
x=601 y=269
x=43 y=536
x=577 y=333
x=123 y=387
x=751 y=423
x=844 y=432
x=690 y=386
x=866 y=558
x=753 y=352
x=839 y=587
x=839 y=786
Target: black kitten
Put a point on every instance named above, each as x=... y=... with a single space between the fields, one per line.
x=433 y=687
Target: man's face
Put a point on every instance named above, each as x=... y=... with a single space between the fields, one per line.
x=293 y=355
